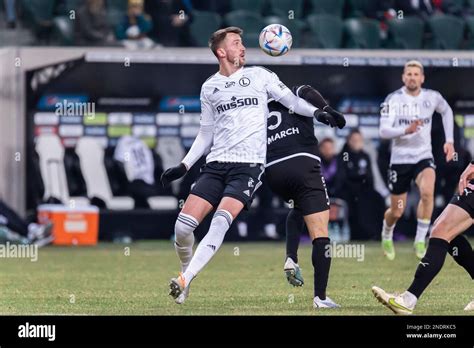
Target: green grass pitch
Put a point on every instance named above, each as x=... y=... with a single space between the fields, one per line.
x=242 y=279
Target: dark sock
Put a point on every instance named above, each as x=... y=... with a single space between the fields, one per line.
x=321 y=258
x=429 y=266
x=294 y=228
x=462 y=253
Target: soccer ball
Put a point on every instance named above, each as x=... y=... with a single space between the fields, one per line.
x=275 y=40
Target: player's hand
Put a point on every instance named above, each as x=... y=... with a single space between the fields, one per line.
x=449 y=151
x=172 y=174
x=413 y=127
x=325 y=117
x=466 y=176
x=339 y=117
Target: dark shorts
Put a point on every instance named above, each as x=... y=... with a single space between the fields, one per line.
x=400 y=176
x=299 y=181
x=465 y=201
x=236 y=180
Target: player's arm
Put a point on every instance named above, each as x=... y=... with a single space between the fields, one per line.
x=311 y=95
x=282 y=94
x=466 y=176
x=448 y=124
x=387 y=128
x=201 y=145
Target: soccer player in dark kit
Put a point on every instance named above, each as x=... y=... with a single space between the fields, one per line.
x=293 y=172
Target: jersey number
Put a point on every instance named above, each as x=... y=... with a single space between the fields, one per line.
x=277 y=114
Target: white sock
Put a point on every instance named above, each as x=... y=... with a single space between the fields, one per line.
x=422 y=229
x=209 y=245
x=409 y=299
x=184 y=238
x=387 y=231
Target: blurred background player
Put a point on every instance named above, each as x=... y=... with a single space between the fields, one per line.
x=446 y=237
x=406 y=118
x=15 y=229
x=293 y=172
x=233 y=128
x=356 y=188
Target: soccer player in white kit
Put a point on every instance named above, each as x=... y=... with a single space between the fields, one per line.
x=233 y=132
x=406 y=117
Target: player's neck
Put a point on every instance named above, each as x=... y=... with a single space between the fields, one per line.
x=227 y=69
x=414 y=93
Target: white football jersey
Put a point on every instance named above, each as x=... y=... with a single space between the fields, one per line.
x=137 y=159
x=400 y=109
x=237 y=108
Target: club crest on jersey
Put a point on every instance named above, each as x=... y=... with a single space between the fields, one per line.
x=236 y=103
x=244 y=81
x=229 y=84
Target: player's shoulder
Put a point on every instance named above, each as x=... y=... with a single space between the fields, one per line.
x=432 y=93
x=257 y=69
x=395 y=94
x=210 y=83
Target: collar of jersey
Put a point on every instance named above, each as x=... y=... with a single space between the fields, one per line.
x=404 y=90
x=231 y=75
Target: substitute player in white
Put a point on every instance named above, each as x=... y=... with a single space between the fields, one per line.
x=233 y=132
x=406 y=118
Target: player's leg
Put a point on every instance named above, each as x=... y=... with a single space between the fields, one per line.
x=294 y=228
x=391 y=216
x=453 y=221
x=241 y=183
x=317 y=225
x=228 y=209
x=195 y=209
x=426 y=183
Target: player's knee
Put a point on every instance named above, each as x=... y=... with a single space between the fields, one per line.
x=426 y=196
x=184 y=227
x=440 y=229
x=223 y=218
x=397 y=213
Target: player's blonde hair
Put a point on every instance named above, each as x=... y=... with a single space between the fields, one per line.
x=414 y=63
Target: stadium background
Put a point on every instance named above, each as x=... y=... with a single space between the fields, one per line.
x=352 y=51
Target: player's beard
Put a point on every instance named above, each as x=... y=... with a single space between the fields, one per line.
x=237 y=61
x=412 y=88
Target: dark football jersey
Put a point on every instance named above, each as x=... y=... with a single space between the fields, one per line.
x=288 y=134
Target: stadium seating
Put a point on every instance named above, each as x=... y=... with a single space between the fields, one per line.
x=51 y=161
x=75 y=180
x=362 y=33
x=63 y=31
x=255 y=6
x=203 y=25
x=296 y=27
x=91 y=155
x=331 y=7
x=118 y=5
x=38 y=14
x=470 y=31
x=358 y=8
x=282 y=7
x=406 y=33
x=448 y=32
x=326 y=31
x=250 y=22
